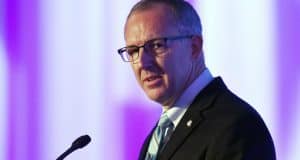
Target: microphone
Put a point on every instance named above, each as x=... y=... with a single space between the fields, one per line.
x=80 y=142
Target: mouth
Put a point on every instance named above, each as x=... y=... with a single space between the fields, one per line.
x=151 y=78
x=152 y=81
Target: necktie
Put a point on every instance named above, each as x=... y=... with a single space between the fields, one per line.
x=159 y=138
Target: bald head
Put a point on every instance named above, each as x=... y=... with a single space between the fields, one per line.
x=185 y=17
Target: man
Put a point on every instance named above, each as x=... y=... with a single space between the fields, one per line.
x=201 y=119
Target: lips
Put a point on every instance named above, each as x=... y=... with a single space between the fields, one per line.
x=152 y=81
x=151 y=78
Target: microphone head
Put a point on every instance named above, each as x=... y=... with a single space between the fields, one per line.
x=81 y=141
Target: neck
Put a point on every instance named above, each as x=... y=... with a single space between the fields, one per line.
x=196 y=70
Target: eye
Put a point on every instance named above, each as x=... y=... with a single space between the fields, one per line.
x=158 y=44
x=132 y=50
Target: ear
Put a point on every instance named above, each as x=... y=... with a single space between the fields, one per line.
x=197 y=44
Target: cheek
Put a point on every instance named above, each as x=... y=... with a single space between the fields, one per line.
x=136 y=72
x=169 y=69
x=173 y=62
x=176 y=68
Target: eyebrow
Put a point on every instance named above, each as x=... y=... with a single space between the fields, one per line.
x=153 y=39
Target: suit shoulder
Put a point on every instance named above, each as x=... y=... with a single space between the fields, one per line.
x=232 y=104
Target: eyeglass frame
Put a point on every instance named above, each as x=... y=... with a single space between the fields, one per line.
x=148 y=43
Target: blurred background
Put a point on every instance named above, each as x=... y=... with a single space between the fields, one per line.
x=61 y=76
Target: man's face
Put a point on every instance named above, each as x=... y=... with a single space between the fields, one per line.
x=163 y=78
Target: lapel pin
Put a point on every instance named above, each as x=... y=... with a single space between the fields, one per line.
x=189 y=123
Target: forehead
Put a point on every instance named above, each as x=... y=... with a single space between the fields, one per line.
x=157 y=21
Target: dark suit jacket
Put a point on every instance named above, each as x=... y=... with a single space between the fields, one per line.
x=224 y=127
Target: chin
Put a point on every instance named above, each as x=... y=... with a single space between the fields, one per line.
x=157 y=97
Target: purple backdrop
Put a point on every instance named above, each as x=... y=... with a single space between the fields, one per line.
x=288 y=67
x=22 y=42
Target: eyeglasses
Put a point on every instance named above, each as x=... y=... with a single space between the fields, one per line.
x=156 y=47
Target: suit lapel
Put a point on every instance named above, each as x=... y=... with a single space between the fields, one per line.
x=144 y=149
x=192 y=117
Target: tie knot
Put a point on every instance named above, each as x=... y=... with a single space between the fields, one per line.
x=164 y=121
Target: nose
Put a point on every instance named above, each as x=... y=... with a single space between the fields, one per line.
x=145 y=59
